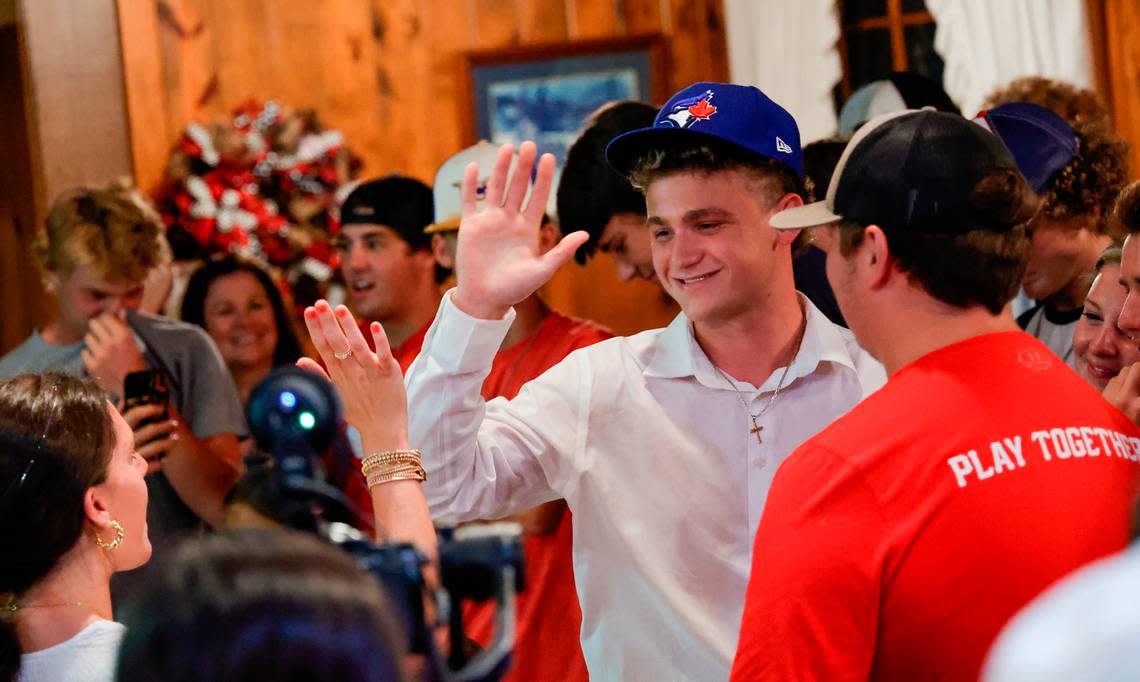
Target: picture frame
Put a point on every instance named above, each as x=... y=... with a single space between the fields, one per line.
x=545 y=92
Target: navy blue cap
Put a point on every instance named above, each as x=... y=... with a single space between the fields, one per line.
x=1041 y=141
x=739 y=115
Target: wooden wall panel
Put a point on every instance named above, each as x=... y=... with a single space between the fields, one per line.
x=20 y=294
x=1121 y=64
x=388 y=73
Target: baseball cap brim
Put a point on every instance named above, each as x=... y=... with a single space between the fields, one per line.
x=625 y=149
x=808 y=215
x=449 y=225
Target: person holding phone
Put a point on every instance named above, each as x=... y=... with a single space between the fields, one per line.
x=96 y=249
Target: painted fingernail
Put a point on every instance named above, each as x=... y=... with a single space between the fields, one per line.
x=310 y=312
x=342 y=311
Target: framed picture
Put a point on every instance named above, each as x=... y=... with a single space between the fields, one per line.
x=544 y=92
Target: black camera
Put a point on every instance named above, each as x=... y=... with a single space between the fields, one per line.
x=295 y=415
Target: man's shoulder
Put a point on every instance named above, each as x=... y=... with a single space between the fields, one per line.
x=169 y=333
x=36 y=355
x=22 y=357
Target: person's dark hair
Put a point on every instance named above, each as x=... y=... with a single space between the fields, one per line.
x=978 y=267
x=590 y=192
x=1126 y=213
x=193 y=310
x=56 y=438
x=261 y=604
x=770 y=177
x=820 y=159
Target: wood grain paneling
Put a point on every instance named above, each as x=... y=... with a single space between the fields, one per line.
x=1119 y=63
x=21 y=295
x=388 y=73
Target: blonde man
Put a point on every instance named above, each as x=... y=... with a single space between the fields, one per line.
x=96 y=251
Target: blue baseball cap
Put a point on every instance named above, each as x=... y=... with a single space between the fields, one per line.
x=1041 y=141
x=740 y=115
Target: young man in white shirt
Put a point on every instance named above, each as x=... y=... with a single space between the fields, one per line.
x=663 y=444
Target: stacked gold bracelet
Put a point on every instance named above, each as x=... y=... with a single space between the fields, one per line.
x=392 y=465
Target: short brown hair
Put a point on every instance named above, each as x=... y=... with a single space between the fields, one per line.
x=1090 y=183
x=114 y=229
x=978 y=267
x=772 y=178
x=1126 y=213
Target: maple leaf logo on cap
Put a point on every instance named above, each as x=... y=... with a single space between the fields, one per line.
x=702 y=110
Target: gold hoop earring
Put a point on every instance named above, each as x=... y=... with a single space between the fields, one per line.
x=110 y=546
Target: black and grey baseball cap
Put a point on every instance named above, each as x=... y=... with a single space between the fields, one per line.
x=909 y=170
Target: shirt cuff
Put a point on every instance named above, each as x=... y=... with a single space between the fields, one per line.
x=462 y=343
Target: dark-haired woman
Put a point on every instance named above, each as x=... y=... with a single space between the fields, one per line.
x=235 y=300
x=237 y=303
x=72 y=513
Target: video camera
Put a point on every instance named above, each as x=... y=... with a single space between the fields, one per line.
x=296 y=415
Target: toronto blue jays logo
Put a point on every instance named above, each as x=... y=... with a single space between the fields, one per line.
x=688 y=111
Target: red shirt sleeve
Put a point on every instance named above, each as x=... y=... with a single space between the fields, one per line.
x=812 y=607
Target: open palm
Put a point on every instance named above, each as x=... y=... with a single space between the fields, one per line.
x=498 y=263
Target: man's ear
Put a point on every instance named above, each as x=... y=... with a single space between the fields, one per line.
x=548 y=236
x=51 y=283
x=787 y=237
x=875 y=254
x=441 y=252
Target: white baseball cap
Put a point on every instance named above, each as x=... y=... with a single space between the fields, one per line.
x=449 y=180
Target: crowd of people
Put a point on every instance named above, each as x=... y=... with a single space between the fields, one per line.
x=891 y=434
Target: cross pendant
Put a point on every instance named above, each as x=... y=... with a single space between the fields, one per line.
x=757 y=429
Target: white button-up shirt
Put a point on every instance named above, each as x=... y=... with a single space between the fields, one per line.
x=652 y=450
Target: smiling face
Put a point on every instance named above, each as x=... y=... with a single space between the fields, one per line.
x=124 y=496
x=239 y=316
x=713 y=249
x=1101 y=348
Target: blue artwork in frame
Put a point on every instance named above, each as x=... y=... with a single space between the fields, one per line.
x=545 y=94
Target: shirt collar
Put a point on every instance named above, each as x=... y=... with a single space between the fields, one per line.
x=678 y=355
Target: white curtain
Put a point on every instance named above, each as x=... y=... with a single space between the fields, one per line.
x=787 y=48
x=987 y=43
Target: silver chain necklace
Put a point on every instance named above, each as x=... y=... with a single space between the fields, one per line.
x=757 y=429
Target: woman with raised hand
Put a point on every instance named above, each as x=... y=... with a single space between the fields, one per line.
x=72 y=513
x=371 y=386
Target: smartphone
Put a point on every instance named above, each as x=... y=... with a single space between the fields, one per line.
x=148 y=387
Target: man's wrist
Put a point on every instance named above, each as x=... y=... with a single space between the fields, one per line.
x=478 y=310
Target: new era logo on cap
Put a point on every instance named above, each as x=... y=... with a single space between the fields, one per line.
x=720 y=113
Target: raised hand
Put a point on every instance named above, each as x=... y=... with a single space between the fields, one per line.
x=110 y=352
x=1123 y=391
x=371 y=385
x=498 y=263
